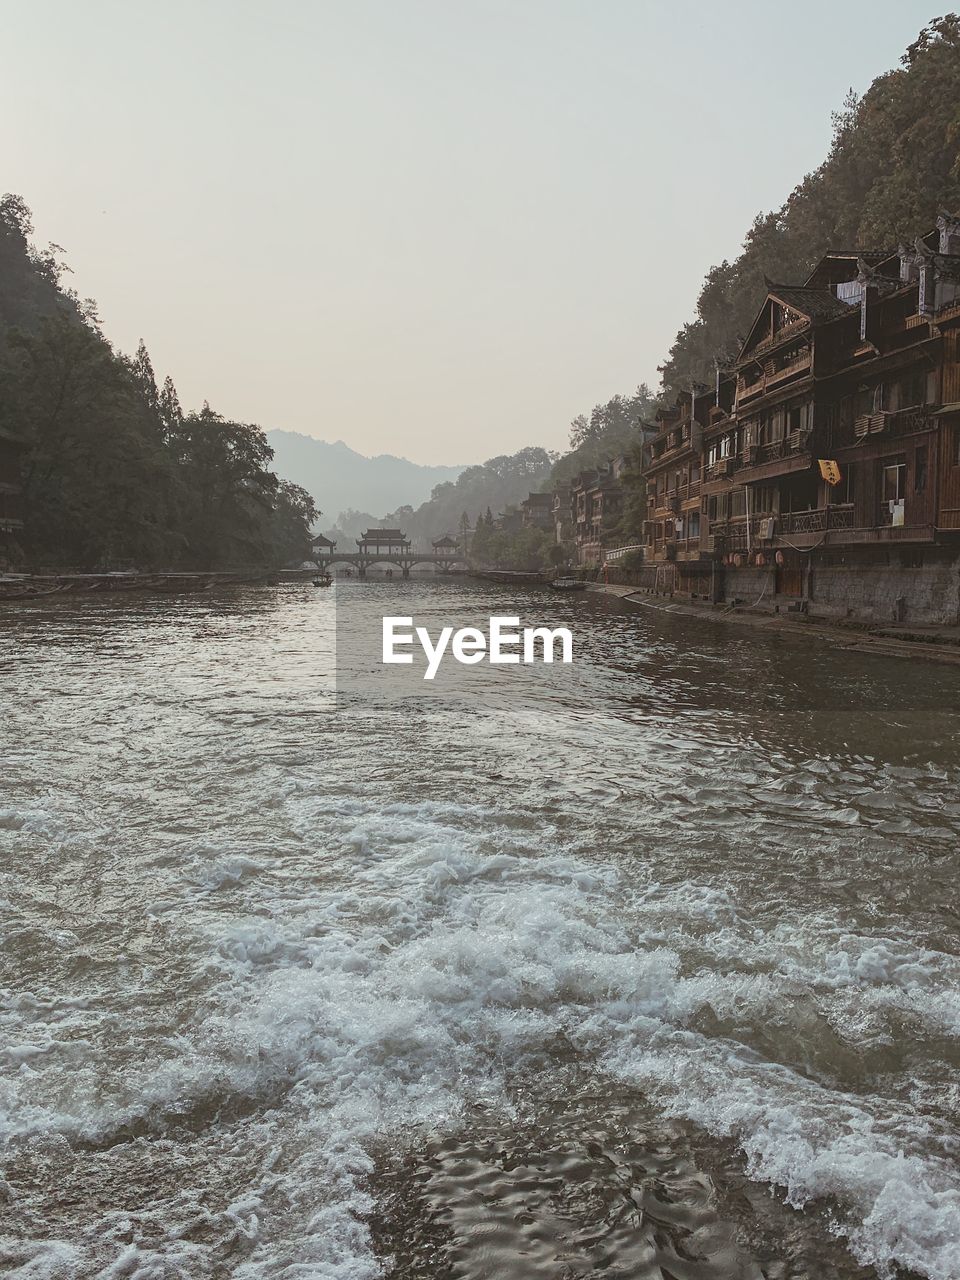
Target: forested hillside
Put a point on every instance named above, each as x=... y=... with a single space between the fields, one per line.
x=115 y=474
x=894 y=162
x=611 y=429
x=496 y=483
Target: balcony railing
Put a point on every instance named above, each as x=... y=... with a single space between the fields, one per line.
x=787 y=370
x=898 y=422
x=722 y=467
x=732 y=535
x=793 y=443
x=818 y=521
x=773 y=377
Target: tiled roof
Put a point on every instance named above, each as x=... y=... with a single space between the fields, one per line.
x=815 y=304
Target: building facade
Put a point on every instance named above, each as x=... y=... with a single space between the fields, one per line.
x=596 y=503
x=826 y=463
x=537 y=511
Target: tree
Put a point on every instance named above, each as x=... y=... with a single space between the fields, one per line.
x=142 y=370
x=227 y=492
x=168 y=408
x=893 y=163
x=610 y=430
x=94 y=478
x=115 y=474
x=294 y=515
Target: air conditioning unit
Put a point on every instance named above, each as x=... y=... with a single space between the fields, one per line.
x=767 y=528
x=723 y=467
x=750 y=454
x=869 y=424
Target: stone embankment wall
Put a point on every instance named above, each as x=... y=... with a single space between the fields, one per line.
x=903 y=585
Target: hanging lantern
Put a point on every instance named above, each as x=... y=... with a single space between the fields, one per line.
x=781 y=558
x=761 y=560
x=738 y=559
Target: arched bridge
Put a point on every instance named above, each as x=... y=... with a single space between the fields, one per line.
x=388 y=546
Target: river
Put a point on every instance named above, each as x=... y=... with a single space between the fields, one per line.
x=647 y=972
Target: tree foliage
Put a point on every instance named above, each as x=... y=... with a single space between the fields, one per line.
x=497 y=483
x=115 y=474
x=526 y=550
x=893 y=163
x=611 y=429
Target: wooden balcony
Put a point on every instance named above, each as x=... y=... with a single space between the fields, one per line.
x=721 y=468
x=793 y=443
x=772 y=378
x=788 y=370
x=899 y=422
x=823 y=525
x=818 y=521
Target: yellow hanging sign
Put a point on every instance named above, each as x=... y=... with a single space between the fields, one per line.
x=830 y=470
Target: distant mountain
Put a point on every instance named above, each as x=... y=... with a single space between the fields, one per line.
x=340 y=479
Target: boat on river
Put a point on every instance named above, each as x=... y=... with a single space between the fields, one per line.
x=17 y=592
x=322 y=580
x=567 y=584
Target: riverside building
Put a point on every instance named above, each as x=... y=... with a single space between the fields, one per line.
x=822 y=474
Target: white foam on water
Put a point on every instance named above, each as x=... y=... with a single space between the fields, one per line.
x=449 y=956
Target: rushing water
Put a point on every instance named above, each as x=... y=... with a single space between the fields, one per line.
x=652 y=972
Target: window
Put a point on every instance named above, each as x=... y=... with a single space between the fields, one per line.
x=909 y=392
x=870 y=399
x=764 y=498
x=894 y=481
x=717 y=505
x=693 y=524
x=893 y=478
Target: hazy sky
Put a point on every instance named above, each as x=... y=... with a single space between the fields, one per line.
x=437 y=229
